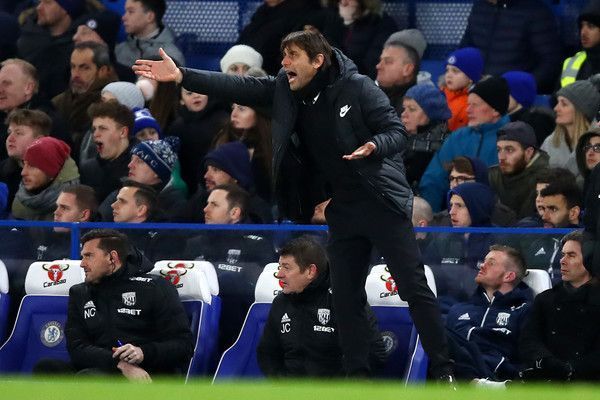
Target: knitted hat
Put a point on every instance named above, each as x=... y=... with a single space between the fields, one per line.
x=479 y=199
x=233 y=158
x=522 y=87
x=584 y=96
x=469 y=61
x=519 y=131
x=143 y=119
x=240 y=53
x=73 y=7
x=104 y=23
x=494 y=91
x=48 y=154
x=431 y=100
x=590 y=13
x=159 y=155
x=126 y=93
x=408 y=37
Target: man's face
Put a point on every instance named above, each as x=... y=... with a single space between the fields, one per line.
x=16 y=88
x=456 y=178
x=493 y=271
x=539 y=201
x=571 y=264
x=218 y=210
x=393 y=67
x=413 y=116
x=141 y=172
x=83 y=70
x=18 y=140
x=592 y=152
x=33 y=178
x=590 y=35
x=512 y=158
x=290 y=275
x=459 y=213
x=136 y=19
x=67 y=210
x=194 y=102
x=125 y=208
x=49 y=13
x=299 y=68
x=96 y=263
x=86 y=34
x=479 y=112
x=556 y=212
x=215 y=177
x=108 y=136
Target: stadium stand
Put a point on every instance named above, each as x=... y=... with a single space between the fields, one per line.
x=4 y=301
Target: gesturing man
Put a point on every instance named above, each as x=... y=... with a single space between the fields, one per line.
x=336 y=135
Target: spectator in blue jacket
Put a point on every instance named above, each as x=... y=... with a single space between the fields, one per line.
x=517 y=35
x=485 y=330
x=487 y=106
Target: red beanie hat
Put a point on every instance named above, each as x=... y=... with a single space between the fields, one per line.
x=48 y=154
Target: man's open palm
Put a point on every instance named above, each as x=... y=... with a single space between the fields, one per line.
x=164 y=70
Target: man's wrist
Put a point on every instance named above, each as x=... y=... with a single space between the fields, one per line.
x=179 y=76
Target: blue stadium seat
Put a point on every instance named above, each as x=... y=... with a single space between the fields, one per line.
x=198 y=288
x=4 y=301
x=39 y=329
x=406 y=358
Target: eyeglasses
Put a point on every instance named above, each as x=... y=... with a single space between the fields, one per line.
x=595 y=147
x=461 y=178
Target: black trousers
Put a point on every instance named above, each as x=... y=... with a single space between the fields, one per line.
x=355 y=227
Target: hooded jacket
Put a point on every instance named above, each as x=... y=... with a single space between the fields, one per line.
x=494 y=326
x=133 y=48
x=131 y=307
x=479 y=141
x=359 y=112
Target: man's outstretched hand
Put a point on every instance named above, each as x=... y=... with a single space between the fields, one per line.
x=363 y=151
x=164 y=70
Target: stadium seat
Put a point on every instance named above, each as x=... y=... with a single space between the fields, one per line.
x=39 y=328
x=406 y=357
x=198 y=290
x=538 y=280
x=239 y=361
x=4 y=301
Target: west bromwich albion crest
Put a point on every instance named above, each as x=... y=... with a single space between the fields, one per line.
x=323 y=314
x=128 y=298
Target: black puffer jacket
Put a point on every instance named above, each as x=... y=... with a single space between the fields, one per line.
x=359 y=112
x=131 y=307
x=300 y=337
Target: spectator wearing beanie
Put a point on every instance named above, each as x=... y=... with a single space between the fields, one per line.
x=523 y=91
x=153 y=163
x=424 y=118
x=576 y=107
x=145 y=126
x=47 y=168
x=239 y=59
x=463 y=69
x=586 y=62
x=488 y=103
x=46 y=41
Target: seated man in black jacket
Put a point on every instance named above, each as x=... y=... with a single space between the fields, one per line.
x=121 y=319
x=301 y=336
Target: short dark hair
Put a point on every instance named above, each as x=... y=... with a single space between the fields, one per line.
x=236 y=197
x=37 y=120
x=114 y=110
x=515 y=258
x=576 y=236
x=144 y=195
x=549 y=175
x=110 y=240
x=569 y=190
x=306 y=250
x=313 y=43
x=158 y=7
x=85 y=197
x=461 y=164
x=101 y=53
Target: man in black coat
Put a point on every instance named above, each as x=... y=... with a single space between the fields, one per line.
x=301 y=336
x=332 y=125
x=121 y=319
x=561 y=340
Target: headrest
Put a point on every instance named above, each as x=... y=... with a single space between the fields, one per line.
x=190 y=280
x=53 y=277
x=538 y=280
x=381 y=288
x=3 y=278
x=205 y=266
x=267 y=285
